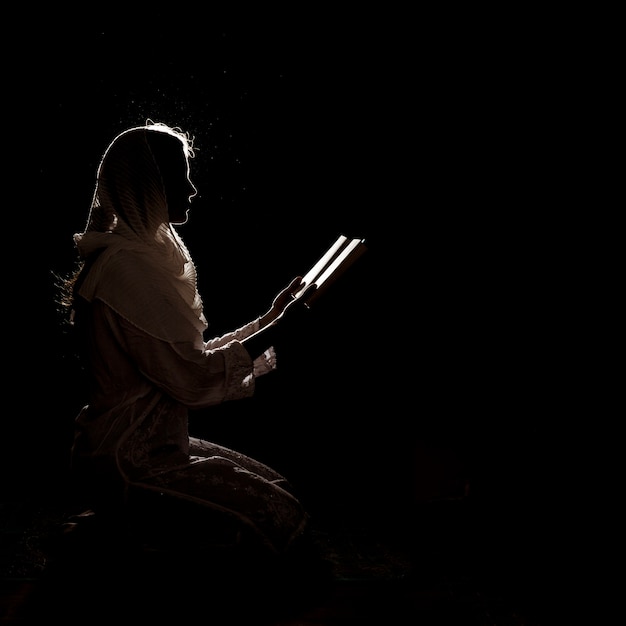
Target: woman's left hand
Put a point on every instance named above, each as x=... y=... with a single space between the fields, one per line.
x=281 y=301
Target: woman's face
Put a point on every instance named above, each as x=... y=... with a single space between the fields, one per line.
x=179 y=190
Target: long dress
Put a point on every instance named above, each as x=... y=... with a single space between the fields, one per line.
x=132 y=448
x=140 y=326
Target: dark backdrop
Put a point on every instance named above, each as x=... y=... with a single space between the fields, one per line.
x=436 y=362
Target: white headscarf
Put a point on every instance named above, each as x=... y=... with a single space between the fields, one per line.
x=144 y=270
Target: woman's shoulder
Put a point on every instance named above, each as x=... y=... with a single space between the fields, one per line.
x=128 y=260
x=122 y=270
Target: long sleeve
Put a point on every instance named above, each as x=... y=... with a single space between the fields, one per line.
x=236 y=335
x=194 y=375
x=263 y=364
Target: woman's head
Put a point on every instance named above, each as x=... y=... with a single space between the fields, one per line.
x=143 y=181
x=142 y=188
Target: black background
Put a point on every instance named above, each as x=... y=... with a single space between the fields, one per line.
x=441 y=359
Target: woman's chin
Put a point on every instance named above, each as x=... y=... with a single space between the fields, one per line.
x=179 y=221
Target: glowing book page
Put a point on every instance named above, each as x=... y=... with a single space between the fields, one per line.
x=332 y=264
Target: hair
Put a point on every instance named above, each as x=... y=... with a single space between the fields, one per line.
x=160 y=137
x=183 y=136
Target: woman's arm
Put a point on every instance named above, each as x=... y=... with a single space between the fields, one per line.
x=279 y=304
x=185 y=371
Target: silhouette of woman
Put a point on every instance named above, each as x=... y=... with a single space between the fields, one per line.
x=139 y=321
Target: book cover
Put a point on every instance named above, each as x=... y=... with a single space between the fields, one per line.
x=330 y=266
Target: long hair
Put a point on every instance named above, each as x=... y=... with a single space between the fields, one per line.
x=129 y=198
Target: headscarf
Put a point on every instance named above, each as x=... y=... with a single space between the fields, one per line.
x=143 y=269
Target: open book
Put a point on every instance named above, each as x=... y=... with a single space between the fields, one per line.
x=331 y=265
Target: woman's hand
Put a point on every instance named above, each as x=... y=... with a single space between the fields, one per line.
x=281 y=302
x=281 y=326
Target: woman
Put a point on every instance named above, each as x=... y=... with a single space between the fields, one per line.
x=139 y=320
